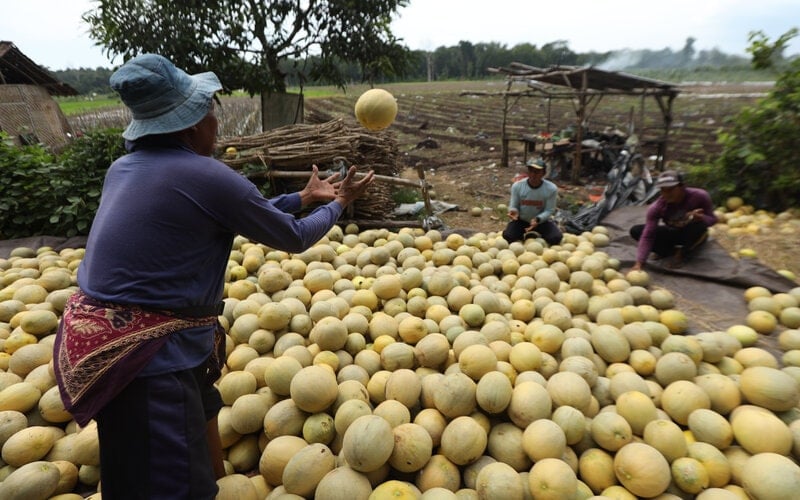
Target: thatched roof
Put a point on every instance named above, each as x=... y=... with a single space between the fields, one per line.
x=17 y=69
x=587 y=78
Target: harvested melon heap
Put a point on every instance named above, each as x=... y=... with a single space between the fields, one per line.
x=412 y=364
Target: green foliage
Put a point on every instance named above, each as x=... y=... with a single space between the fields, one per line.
x=87 y=81
x=255 y=45
x=24 y=186
x=765 y=54
x=759 y=157
x=406 y=195
x=45 y=195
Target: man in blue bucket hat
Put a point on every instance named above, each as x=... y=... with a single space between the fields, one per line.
x=139 y=345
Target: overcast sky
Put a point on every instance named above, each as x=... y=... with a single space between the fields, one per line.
x=52 y=34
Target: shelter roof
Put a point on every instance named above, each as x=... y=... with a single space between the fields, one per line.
x=17 y=69
x=588 y=78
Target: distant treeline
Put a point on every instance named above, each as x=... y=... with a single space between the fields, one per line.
x=472 y=61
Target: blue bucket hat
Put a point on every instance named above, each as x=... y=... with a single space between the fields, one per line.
x=161 y=97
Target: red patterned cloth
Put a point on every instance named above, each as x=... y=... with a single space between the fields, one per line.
x=100 y=347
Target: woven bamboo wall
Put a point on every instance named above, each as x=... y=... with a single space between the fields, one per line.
x=27 y=112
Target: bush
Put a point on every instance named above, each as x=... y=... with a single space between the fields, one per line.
x=759 y=157
x=44 y=195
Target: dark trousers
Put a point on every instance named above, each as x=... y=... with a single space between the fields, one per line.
x=153 y=438
x=548 y=230
x=668 y=238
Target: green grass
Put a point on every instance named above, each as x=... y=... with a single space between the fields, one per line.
x=78 y=105
x=81 y=104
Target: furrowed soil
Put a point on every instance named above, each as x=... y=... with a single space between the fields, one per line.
x=451 y=133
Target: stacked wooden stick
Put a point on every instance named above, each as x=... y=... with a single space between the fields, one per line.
x=284 y=157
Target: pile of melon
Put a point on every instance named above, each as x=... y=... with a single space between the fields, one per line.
x=742 y=222
x=414 y=364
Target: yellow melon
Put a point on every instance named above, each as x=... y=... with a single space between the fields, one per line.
x=771 y=476
x=19 y=397
x=723 y=392
x=376 y=109
x=763 y=322
x=37 y=479
x=714 y=461
x=498 y=480
x=681 y=398
x=493 y=392
x=28 y=445
x=314 y=388
x=329 y=333
x=413 y=447
x=770 y=388
x=405 y=386
x=236 y=487
x=675 y=320
x=544 y=438
x=642 y=470
x=368 y=443
x=666 y=437
x=637 y=409
x=277 y=453
x=710 y=427
x=610 y=431
x=395 y=489
x=596 y=469
x=552 y=479
x=343 y=483
x=758 y=430
x=689 y=475
x=569 y=389
x=306 y=468
x=463 y=440
x=477 y=360
x=25 y=359
x=39 y=322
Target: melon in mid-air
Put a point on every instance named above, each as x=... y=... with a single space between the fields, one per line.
x=376 y=109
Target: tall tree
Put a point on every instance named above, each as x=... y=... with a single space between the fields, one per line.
x=765 y=54
x=255 y=45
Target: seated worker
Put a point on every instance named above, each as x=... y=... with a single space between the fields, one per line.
x=533 y=202
x=686 y=212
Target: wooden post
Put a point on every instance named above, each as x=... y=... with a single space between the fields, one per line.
x=576 y=162
x=281 y=174
x=503 y=136
x=426 y=197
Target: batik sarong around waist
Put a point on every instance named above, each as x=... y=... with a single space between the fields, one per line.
x=100 y=347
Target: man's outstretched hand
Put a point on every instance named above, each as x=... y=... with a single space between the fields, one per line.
x=350 y=189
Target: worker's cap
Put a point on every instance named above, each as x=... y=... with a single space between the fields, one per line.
x=535 y=164
x=669 y=178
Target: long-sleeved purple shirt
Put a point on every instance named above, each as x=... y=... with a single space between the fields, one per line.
x=660 y=210
x=163 y=232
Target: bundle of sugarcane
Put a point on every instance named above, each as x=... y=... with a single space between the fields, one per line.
x=285 y=155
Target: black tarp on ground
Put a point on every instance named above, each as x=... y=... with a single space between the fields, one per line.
x=34 y=242
x=710 y=286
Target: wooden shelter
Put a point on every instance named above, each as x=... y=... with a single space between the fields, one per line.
x=28 y=113
x=586 y=86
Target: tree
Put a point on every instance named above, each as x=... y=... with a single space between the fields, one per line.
x=759 y=160
x=254 y=45
x=687 y=52
x=766 y=55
